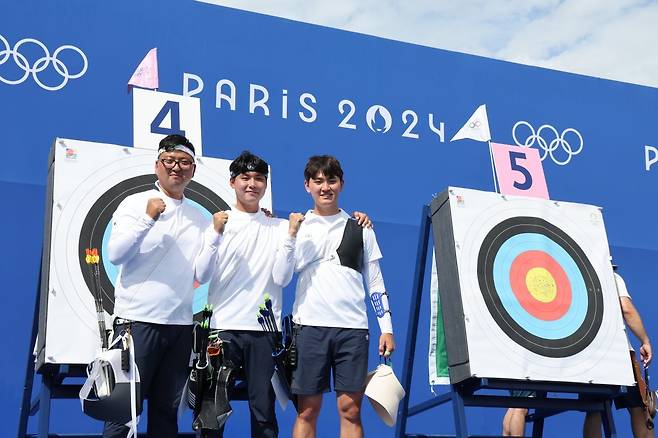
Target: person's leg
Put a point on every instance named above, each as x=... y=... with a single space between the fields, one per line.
x=639 y=423
x=350 y=364
x=310 y=379
x=592 y=425
x=146 y=340
x=258 y=368
x=308 y=410
x=514 y=422
x=168 y=383
x=349 y=411
x=506 y=420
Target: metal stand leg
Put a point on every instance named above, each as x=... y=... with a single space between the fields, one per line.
x=459 y=414
x=44 y=406
x=29 y=368
x=607 y=420
x=417 y=293
x=538 y=428
x=538 y=423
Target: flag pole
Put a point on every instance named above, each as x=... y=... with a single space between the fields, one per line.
x=493 y=169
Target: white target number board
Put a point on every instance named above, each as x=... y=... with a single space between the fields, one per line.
x=527 y=290
x=90 y=180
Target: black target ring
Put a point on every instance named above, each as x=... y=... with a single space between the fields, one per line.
x=566 y=346
x=100 y=214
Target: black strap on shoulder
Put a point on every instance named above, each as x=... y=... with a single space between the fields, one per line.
x=350 y=250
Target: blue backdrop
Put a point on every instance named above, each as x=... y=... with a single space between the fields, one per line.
x=307 y=71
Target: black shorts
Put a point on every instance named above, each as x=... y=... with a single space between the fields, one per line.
x=632 y=399
x=325 y=350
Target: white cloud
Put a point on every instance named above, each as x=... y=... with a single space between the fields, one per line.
x=614 y=39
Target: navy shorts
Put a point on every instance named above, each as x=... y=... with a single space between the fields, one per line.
x=325 y=350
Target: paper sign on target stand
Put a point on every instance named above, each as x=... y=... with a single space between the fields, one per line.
x=156 y=115
x=519 y=171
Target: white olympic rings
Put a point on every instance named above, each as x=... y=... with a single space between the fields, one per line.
x=550 y=148
x=40 y=64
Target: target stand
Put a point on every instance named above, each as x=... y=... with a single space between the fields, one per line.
x=559 y=332
x=86 y=183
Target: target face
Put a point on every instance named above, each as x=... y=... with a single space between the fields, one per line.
x=539 y=287
x=535 y=293
x=96 y=226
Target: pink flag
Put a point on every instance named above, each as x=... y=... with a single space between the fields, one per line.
x=519 y=171
x=146 y=75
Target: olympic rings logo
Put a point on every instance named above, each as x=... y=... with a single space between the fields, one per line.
x=559 y=145
x=40 y=64
x=475 y=124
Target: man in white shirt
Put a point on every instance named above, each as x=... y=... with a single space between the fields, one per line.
x=333 y=257
x=632 y=401
x=242 y=274
x=155 y=240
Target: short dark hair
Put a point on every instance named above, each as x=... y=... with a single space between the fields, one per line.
x=326 y=164
x=248 y=162
x=171 y=141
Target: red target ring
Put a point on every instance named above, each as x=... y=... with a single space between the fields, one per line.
x=540 y=285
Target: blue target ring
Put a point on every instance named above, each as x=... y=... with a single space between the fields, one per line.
x=507 y=253
x=577 y=326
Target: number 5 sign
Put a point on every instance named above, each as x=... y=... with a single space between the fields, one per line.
x=519 y=171
x=156 y=115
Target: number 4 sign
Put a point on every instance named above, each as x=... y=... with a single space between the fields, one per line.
x=156 y=115
x=519 y=171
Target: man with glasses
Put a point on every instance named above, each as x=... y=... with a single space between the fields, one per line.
x=155 y=240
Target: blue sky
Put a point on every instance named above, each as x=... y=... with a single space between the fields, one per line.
x=613 y=39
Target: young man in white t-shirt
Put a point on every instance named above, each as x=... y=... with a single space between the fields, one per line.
x=333 y=257
x=241 y=274
x=155 y=240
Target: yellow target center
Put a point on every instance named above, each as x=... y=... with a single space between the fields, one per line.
x=541 y=285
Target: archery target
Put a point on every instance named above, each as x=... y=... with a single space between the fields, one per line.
x=91 y=179
x=537 y=290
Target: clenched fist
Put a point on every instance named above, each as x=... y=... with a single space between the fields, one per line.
x=294 y=222
x=155 y=207
x=219 y=220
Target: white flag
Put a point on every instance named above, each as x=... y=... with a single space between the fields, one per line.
x=476 y=128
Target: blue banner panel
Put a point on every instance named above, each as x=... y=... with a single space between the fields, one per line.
x=288 y=90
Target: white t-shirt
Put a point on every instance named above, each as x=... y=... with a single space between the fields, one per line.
x=243 y=270
x=156 y=258
x=329 y=294
x=622 y=291
x=621 y=286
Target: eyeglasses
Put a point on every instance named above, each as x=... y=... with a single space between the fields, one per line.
x=170 y=163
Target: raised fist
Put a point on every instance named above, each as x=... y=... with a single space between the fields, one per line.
x=219 y=220
x=294 y=222
x=155 y=207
